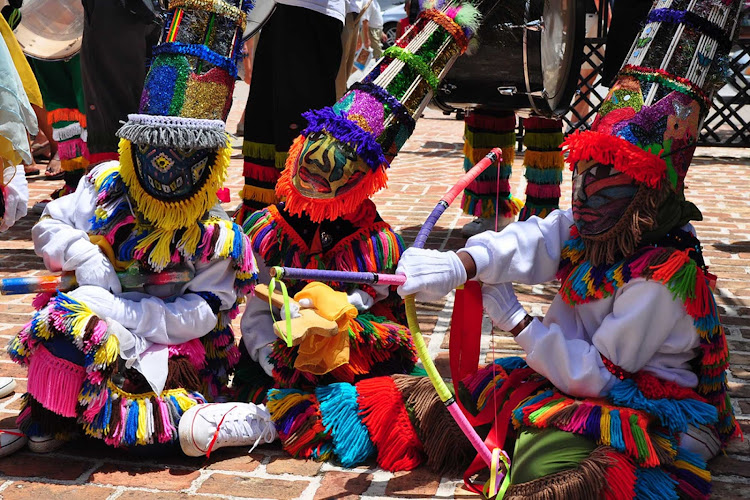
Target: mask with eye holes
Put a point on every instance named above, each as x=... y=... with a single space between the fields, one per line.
x=327 y=167
x=601 y=197
x=172 y=174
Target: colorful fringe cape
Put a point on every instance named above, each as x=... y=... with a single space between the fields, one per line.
x=398 y=420
x=490 y=192
x=641 y=418
x=379 y=346
x=207 y=240
x=84 y=394
x=544 y=166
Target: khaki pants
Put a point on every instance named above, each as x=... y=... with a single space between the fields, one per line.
x=376 y=43
x=348 y=46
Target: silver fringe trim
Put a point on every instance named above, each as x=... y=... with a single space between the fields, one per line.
x=174 y=132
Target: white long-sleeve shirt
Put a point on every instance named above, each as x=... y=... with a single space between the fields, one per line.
x=640 y=327
x=61 y=239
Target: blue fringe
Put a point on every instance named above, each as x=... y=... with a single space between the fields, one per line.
x=615 y=431
x=339 y=410
x=544 y=175
x=654 y=484
x=674 y=414
x=511 y=363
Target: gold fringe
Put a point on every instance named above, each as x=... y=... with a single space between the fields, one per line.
x=171 y=215
x=72 y=164
x=543 y=159
x=475 y=155
x=259 y=195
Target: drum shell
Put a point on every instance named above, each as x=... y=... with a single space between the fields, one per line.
x=486 y=77
x=51 y=30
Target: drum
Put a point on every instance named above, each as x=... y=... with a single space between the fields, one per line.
x=258 y=16
x=529 y=57
x=51 y=30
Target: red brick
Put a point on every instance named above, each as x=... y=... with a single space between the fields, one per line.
x=148 y=495
x=289 y=465
x=252 y=487
x=343 y=485
x=152 y=477
x=27 y=464
x=234 y=460
x=33 y=491
x=418 y=483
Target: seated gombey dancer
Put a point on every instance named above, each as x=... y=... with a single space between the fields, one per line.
x=632 y=398
x=124 y=366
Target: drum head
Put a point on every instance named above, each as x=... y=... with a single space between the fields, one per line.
x=51 y=29
x=561 y=50
x=258 y=16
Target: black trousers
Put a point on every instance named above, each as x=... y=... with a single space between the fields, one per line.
x=295 y=67
x=114 y=55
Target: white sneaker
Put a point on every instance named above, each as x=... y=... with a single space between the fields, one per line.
x=44 y=444
x=207 y=427
x=11 y=440
x=7 y=386
x=481 y=225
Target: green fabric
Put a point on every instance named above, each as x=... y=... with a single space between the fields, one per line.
x=541 y=452
x=674 y=212
x=60 y=83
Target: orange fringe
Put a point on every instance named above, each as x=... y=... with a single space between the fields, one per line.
x=66 y=115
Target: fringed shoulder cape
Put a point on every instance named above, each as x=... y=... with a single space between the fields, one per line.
x=642 y=417
x=86 y=385
x=380 y=344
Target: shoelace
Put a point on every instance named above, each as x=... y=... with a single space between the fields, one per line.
x=237 y=427
x=13 y=433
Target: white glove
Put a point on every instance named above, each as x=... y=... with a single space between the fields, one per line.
x=294 y=308
x=361 y=300
x=264 y=358
x=502 y=306
x=106 y=305
x=16 y=196
x=97 y=270
x=430 y=274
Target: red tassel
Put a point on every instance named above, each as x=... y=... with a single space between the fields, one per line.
x=628 y=158
x=496 y=124
x=383 y=412
x=620 y=477
x=260 y=173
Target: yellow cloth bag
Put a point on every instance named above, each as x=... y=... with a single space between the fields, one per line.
x=317 y=354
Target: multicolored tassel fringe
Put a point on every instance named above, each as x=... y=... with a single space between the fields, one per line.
x=544 y=165
x=490 y=192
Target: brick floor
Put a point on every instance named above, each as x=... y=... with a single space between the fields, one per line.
x=429 y=163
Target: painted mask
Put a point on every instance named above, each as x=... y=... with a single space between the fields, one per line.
x=327 y=168
x=171 y=174
x=601 y=196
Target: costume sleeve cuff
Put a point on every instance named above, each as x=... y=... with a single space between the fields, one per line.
x=528 y=337
x=79 y=252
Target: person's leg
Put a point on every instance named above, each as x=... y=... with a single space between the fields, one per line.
x=348 y=48
x=489 y=194
x=261 y=170
x=544 y=164
x=305 y=80
x=376 y=43
x=555 y=464
x=116 y=46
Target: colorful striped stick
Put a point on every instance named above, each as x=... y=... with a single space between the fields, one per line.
x=130 y=280
x=411 y=310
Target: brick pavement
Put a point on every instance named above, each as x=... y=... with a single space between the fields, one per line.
x=429 y=163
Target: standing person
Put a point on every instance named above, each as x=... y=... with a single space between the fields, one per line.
x=372 y=30
x=349 y=36
x=294 y=69
x=115 y=49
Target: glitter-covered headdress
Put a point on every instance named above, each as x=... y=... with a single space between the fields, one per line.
x=341 y=158
x=174 y=153
x=647 y=127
